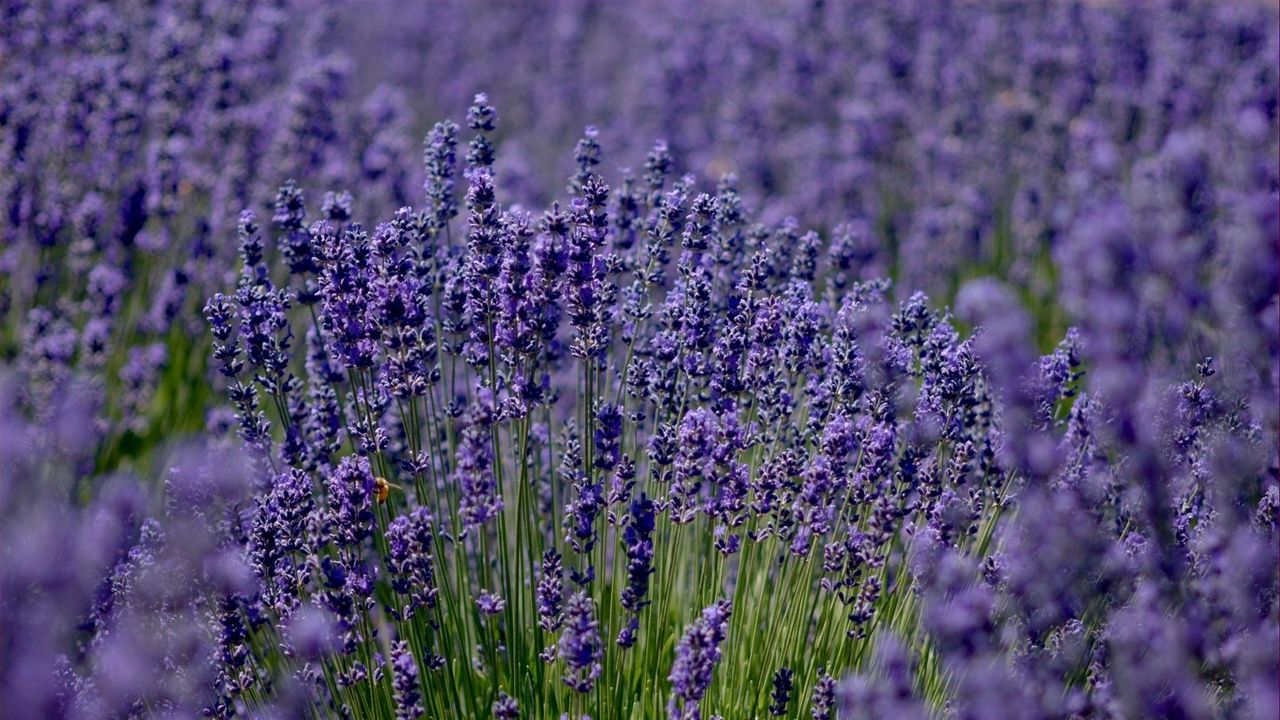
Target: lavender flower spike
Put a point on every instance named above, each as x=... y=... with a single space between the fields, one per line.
x=697 y=655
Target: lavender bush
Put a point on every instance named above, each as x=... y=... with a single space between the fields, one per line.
x=132 y=134
x=561 y=439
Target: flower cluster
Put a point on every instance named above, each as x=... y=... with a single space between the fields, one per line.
x=996 y=438
x=133 y=135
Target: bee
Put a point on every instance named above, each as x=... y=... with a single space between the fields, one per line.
x=381 y=489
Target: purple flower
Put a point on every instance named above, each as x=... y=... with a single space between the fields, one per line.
x=482 y=119
x=349 y=501
x=440 y=156
x=887 y=694
x=550 y=591
x=310 y=633
x=346 y=290
x=404 y=683
x=589 y=294
x=607 y=434
x=505 y=707
x=824 y=697
x=138 y=378
x=480 y=498
x=277 y=537
x=580 y=646
x=410 y=547
x=296 y=241
x=637 y=539
x=698 y=434
x=582 y=511
x=490 y=603
x=780 y=695
x=221 y=317
x=697 y=655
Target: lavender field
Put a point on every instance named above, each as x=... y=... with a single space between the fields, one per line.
x=568 y=359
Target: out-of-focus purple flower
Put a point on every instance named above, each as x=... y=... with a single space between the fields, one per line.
x=824 y=697
x=506 y=707
x=310 y=633
x=884 y=692
x=490 y=603
x=404 y=682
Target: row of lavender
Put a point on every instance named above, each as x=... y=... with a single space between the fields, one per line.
x=505 y=471
x=637 y=454
x=132 y=134
x=942 y=134
x=937 y=141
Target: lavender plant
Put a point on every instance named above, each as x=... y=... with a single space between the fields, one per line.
x=595 y=437
x=997 y=438
x=961 y=138
x=132 y=134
